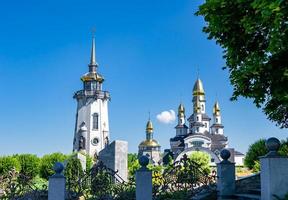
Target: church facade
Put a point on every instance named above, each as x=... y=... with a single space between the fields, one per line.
x=91 y=133
x=201 y=132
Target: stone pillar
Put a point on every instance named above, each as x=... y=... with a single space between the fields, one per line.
x=225 y=176
x=274 y=172
x=144 y=180
x=115 y=156
x=56 y=187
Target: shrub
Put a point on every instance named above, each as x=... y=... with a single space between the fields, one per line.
x=29 y=164
x=202 y=159
x=47 y=163
x=89 y=162
x=73 y=172
x=7 y=163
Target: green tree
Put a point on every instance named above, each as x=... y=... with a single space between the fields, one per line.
x=255 y=150
x=258 y=149
x=47 y=163
x=29 y=164
x=133 y=164
x=284 y=148
x=132 y=157
x=254 y=36
x=7 y=163
x=202 y=159
x=73 y=172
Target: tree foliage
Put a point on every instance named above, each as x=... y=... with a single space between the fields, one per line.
x=29 y=164
x=254 y=36
x=258 y=149
x=47 y=164
x=7 y=163
x=133 y=164
x=202 y=159
x=255 y=150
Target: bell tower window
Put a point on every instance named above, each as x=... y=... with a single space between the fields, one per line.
x=95 y=121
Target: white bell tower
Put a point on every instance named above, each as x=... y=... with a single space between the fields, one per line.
x=92 y=123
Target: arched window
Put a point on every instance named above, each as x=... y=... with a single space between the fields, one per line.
x=197 y=118
x=95 y=121
x=202 y=107
x=216 y=120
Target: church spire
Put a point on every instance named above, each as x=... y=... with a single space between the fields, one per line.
x=93 y=64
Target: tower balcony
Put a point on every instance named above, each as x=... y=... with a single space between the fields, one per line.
x=97 y=94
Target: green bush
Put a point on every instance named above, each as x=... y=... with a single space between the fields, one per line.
x=73 y=172
x=29 y=164
x=7 y=163
x=202 y=159
x=47 y=163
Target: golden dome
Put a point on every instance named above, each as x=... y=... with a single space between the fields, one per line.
x=92 y=76
x=149 y=143
x=181 y=110
x=198 y=88
x=149 y=127
x=216 y=108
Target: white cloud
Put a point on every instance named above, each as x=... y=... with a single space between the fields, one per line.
x=166 y=117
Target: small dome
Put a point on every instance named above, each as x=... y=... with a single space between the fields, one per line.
x=149 y=143
x=92 y=76
x=149 y=127
x=198 y=88
x=216 y=108
x=181 y=110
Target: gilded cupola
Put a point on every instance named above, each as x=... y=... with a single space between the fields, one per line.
x=181 y=111
x=216 y=109
x=149 y=127
x=198 y=91
x=198 y=88
x=149 y=142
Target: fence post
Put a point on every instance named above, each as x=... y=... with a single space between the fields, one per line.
x=274 y=173
x=56 y=187
x=143 y=180
x=225 y=176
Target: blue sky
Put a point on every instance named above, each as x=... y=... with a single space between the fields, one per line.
x=148 y=52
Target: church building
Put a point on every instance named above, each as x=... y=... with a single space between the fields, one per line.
x=202 y=133
x=92 y=125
